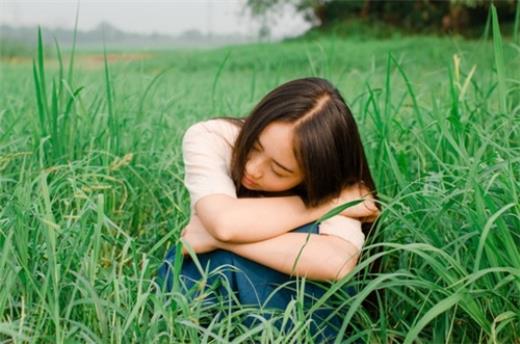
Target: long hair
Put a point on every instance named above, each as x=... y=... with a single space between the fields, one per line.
x=327 y=143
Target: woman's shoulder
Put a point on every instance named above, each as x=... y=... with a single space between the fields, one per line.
x=219 y=127
x=219 y=124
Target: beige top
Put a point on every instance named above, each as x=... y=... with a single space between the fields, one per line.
x=207 y=148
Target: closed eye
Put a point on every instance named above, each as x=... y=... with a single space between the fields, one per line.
x=276 y=173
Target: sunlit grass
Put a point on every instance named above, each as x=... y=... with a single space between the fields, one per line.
x=91 y=192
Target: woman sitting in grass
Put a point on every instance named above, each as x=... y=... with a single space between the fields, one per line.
x=257 y=186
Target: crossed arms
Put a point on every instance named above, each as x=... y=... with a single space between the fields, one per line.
x=247 y=227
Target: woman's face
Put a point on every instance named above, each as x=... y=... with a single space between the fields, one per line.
x=271 y=165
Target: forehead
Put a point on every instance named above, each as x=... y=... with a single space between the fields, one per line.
x=277 y=140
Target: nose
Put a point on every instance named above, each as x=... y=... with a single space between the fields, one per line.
x=254 y=168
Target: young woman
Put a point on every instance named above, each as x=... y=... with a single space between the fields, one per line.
x=253 y=181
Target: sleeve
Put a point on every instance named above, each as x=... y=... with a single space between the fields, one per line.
x=344 y=227
x=206 y=170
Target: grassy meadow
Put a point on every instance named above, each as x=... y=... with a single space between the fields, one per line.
x=91 y=192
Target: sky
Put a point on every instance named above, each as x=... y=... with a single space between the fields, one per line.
x=141 y=16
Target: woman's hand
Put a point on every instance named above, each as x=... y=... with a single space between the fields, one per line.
x=196 y=236
x=366 y=211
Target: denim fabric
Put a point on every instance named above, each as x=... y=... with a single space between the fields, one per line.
x=250 y=282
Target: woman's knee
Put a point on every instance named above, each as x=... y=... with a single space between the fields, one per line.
x=192 y=268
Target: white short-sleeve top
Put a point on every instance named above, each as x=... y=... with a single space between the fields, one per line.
x=207 y=148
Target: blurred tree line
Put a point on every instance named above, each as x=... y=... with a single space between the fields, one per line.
x=460 y=16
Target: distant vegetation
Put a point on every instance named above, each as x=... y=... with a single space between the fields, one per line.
x=18 y=39
x=10 y=48
x=455 y=16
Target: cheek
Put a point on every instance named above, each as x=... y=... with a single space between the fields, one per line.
x=279 y=184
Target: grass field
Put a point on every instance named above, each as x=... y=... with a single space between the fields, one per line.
x=91 y=192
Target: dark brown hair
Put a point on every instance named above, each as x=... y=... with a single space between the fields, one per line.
x=327 y=144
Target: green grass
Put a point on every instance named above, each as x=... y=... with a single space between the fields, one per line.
x=91 y=192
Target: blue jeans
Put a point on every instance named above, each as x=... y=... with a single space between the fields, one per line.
x=251 y=283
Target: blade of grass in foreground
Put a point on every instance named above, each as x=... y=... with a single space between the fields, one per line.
x=499 y=60
x=41 y=69
x=337 y=210
x=51 y=239
x=73 y=50
x=60 y=66
x=485 y=233
x=504 y=319
x=5 y=271
x=439 y=308
x=39 y=84
x=112 y=141
x=217 y=77
x=411 y=92
x=374 y=284
x=517 y=23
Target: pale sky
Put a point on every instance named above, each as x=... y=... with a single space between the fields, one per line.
x=163 y=16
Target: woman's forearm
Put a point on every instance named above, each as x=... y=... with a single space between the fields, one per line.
x=253 y=219
x=245 y=220
x=317 y=257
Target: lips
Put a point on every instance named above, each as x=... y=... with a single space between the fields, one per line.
x=248 y=181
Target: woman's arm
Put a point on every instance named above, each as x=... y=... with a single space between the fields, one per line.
x=241 y=220
x=321 y=257
x=318 y=257
x=206 y=152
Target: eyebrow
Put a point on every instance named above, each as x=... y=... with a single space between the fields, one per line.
x=276 y=162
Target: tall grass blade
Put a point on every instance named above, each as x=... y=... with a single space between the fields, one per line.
x=60 y=67
x=337 y=210
x=217 y=77
x=113 y=141
x=485 y=233
x=432 y=313
x=70 y=74
x=411 y=92
x=54 y=114
x=51 y=240
x=377 y=283
x=516 y=26
x=41 y=69
x=485 y=35
x=42 y=113
x=499 y=61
